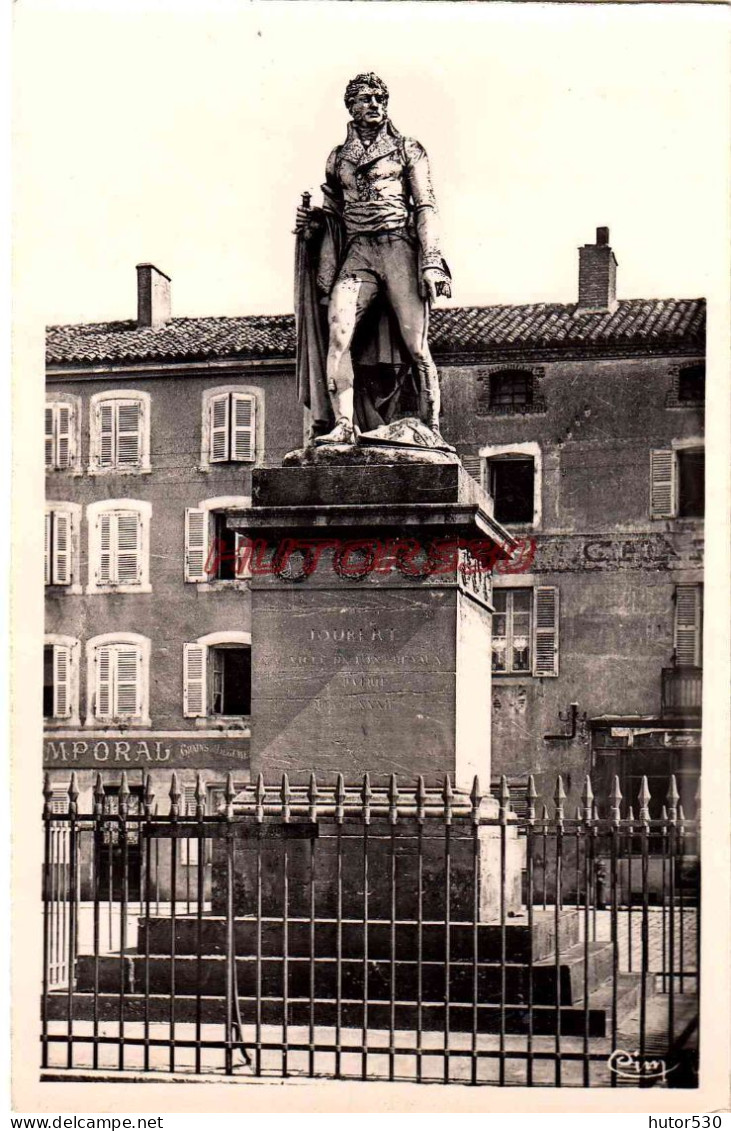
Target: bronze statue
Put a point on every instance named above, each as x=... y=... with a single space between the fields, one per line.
x=368 y=268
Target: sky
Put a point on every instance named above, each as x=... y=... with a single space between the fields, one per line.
x=184 y=136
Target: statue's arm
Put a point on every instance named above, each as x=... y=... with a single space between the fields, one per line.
x=425 y=207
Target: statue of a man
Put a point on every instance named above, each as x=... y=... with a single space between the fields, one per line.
x=374 y=243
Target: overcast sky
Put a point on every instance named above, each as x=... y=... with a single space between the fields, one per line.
x=185 y=137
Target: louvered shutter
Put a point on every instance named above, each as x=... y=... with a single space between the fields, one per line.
x=220 y=409
x=243 y=407
x=63 y=435
x=106 y=434
x=61 y=681
x=49 y=437
x=688 y=625
x=474 y=465
x=662 y=483
x=104 y=682
x=129 y=556
x=61 y=568
x=194 y=680
x=105 y=572
x=129 y=438
x=545 y=632
x=127 y=681
x=47 y=548
x=196 y=544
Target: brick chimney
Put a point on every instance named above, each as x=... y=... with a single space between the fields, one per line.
x=597 y=274
x=153 y=296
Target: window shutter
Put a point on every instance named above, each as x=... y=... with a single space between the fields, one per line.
x=106 y=435
x=662 y=483
x=196 y=544
x=688 y=625
x=47 y=549
x=474 y=466
x=104 y=682
x=104 y=567
x=61 y=570
x=244 y=413
x=129 y=557
x=63 y=436
x=194 y=680
x=220 y=410
x=243 y=557
x=128 y=680
x=61 y=681
x=49 y=436
x=129 y=438
x=545 y=633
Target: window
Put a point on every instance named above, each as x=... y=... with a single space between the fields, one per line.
x=61 y=435
x=229 y=426
x=525 y=631
x=513 y=388
x=120 y=432
x=692 y=383
x=688 y=642
x=61 y=680
x=511 y=484
x=217 y=676
x=119 y=535
x=118 y=679
x=61 y=545
x=213 y=552
x=677 y=482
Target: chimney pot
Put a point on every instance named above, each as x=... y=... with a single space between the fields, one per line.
x=597 y=274
x=153 y=296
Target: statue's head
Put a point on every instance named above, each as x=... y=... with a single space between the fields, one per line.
x=366 y=97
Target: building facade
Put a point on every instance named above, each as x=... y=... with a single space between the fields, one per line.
x=583 y=421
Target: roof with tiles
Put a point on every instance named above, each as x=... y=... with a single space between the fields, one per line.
x=634 y=323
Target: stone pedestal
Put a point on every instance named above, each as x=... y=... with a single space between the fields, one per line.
x=371 y=604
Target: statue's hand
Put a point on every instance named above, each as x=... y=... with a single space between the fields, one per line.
x=437 y=283
x=308 y=221
x=302 y=219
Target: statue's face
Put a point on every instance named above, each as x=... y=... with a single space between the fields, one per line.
x=368 y=108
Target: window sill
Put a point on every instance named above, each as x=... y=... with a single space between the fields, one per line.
x=146 y=470
x=114 y=729
x=99 y=589
x=238 y=585
x=66 y=471
x=61 y=724
x=228 y=726
x=63 y=590
x=510 y=676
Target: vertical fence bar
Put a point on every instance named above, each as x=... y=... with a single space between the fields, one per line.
x=531 y=795
x=630 y=836
x=503 y=809
x=586 y=829
x=663 y=902
x=544 y=862
x=312 y=801
x=200 y=809
x=559 y=798
x=229 y=794
x=615 y=817
x=393 y=800
x=644 y=817
x=260 y=799
x=672 y=805
x=420 y=818
x=339 y=818
x=122 y=814
x=147 y=800
x=578 y=861
x=73 y=899
x=366 y=795
x=476 y=801
x=285 y=795
x=447 y=818
x=96 y=885
x=157 y=869
x=175 y=796
x=47 y=906
x=681 y=901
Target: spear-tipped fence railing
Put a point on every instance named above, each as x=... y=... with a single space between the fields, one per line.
x=372 y=929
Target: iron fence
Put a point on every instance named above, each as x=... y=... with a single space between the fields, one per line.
x=373 y=932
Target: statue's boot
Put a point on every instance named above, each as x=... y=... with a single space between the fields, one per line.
x=344 y=432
